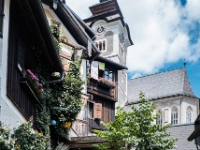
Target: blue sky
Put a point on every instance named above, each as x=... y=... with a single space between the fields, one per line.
x=164 y=32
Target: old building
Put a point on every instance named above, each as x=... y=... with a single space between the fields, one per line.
x=26 y=42
x=175 y=100
x=107 y=74
x=112 y=39
x=25 y=34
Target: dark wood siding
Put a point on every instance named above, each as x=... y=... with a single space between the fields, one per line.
x=19 y=34
x=96 y=89
x=1 y=17
x=108 y=113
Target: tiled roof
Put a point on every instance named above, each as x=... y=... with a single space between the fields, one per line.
x=161 y=85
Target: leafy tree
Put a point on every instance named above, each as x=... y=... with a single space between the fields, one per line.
x=135 y=129
x=5 y=141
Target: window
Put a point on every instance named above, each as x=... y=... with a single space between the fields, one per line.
x=98 y=110
x=20 y=57
x=1 y=17
x=159 y=118
x=101 y=45
x=174 y=115
x=107 y=74
x=90 y=110
x=188 y=114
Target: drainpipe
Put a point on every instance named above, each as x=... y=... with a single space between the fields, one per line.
x=57 y=80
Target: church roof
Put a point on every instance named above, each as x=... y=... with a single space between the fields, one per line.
x=160 y=85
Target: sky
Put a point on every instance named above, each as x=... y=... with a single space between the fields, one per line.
x=164 y=33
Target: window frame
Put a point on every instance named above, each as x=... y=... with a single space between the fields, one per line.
x=159 y=118
x=104 y=44
x=174 y=115
x=189 y=114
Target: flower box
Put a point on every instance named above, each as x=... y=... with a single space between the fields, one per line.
x=32 y=84
x=105 y=83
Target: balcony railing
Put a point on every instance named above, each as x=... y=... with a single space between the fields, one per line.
x=96 y=88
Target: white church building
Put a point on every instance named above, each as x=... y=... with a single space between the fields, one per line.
x=175 y=100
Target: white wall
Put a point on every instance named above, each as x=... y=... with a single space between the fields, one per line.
x=181 y=103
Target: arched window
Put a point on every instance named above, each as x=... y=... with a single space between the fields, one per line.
x=159 y=118
x=174 y=115
x=188 y=114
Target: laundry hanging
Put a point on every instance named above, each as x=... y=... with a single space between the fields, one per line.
x=94 y=70
x=101 y=66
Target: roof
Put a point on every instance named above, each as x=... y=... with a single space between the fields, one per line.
x=111 y=63
x=161 y=85
x=196 y=133
x=181 y=132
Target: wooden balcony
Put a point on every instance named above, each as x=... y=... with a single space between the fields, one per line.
x=103 y=91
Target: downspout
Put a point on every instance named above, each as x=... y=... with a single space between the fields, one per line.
x=57 y=80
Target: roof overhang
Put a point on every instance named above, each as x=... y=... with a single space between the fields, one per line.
x=111 y=63
x=44 y=29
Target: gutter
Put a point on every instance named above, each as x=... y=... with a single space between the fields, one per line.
x=43 y=26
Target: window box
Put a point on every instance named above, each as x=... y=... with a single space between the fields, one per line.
x=104 y=85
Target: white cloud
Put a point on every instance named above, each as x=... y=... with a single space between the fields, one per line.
x=159 y=30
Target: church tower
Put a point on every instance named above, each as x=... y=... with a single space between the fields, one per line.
x=112 y=39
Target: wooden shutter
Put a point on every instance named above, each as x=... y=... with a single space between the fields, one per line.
x=1 y=17
x=98 y=110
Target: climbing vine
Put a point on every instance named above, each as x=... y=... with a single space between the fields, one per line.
x=61 y=102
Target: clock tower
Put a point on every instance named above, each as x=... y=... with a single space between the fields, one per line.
x=112 y=39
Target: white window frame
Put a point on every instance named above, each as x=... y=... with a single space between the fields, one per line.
x=189 y=114
x=159 y=118
x=98 y=46
x=174 y=115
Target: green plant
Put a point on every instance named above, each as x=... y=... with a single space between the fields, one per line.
x=65 y=101
x=135 y=129
x=5 y=141
x=106 y=82
x=28 y=139
x=34 y=81
x=61 y=101
x=56 y=33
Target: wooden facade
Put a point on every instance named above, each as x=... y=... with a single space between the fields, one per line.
x=102 y=98
x=25 y=47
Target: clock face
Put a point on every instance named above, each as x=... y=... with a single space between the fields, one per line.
x=100 y=29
